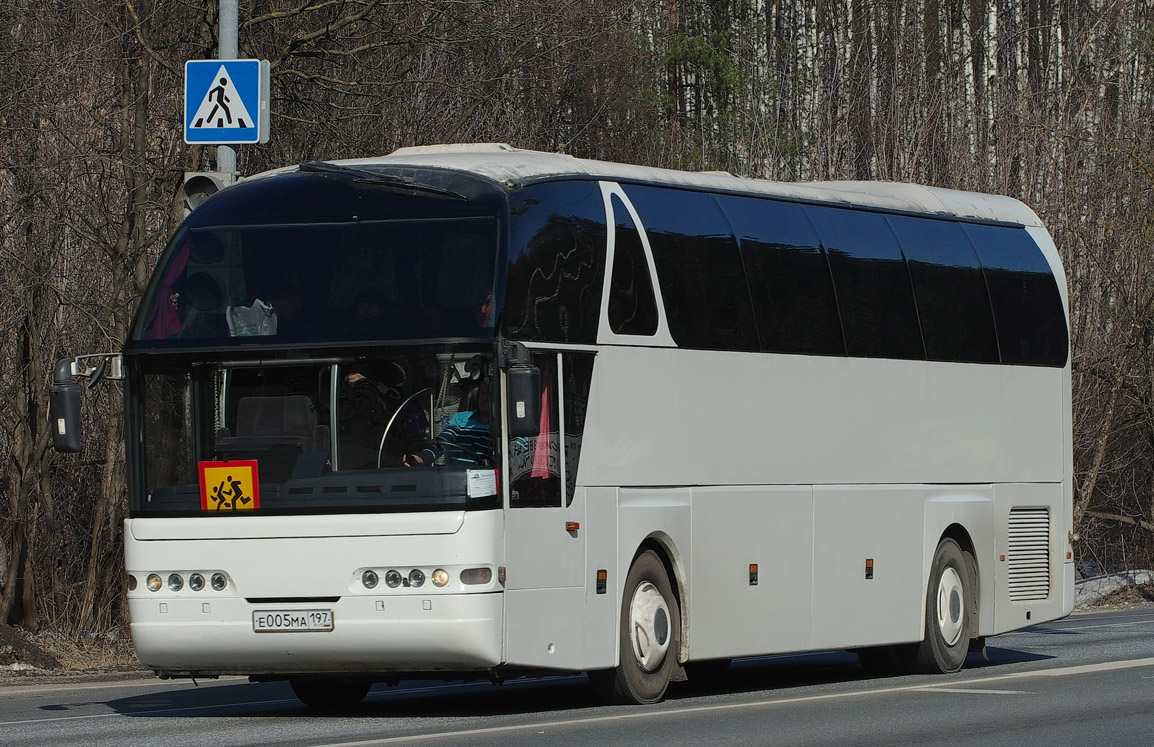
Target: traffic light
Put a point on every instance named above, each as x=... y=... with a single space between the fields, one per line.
x=200 y=185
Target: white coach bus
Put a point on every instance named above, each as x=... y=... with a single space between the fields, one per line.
x=480 y=412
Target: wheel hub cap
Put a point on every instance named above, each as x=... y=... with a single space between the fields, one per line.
x=649 y=627
x=949 y=607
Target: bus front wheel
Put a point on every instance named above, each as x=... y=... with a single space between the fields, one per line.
x=650 y=636
x=329 y=694
x=948 y=611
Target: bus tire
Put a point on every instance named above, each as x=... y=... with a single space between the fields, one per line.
x=948 y=611
x=328 y=693
x=650 y=637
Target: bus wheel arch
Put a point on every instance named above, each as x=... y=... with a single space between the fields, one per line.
x=650 y=633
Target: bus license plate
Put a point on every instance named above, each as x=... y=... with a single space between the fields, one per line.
x=292 y=621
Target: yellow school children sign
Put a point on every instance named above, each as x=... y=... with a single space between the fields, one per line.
x=229 y=486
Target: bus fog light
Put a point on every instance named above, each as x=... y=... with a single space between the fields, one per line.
x=218 y=582
x=196 y=582
x=131 y=582
x=370 y=579
x=154 y=582
x=175 y=582
x=476 y=576
x=416 y=578
x=440 y=577
x=393 y=579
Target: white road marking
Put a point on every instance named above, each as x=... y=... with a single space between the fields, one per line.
x=970 y=691
x=145 y=680
x=1060 y=631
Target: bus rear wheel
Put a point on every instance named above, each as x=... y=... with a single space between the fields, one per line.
x=328 y=693
x=650 y=637
x=948 y=611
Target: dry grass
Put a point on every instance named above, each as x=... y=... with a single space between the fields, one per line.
x=25 y=654
x=111 y=652
x=1136 y=595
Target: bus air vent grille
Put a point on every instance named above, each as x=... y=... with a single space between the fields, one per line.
x=1029 y=554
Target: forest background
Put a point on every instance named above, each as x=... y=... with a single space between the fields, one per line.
x=1049 y=101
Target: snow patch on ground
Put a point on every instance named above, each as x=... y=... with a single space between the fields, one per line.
x=1090 y=591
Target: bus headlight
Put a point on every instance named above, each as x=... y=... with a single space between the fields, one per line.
x=196 y=582
x=218 y=582
x=175 y=582
x=416 y=578
x=369 y=579
x=393 y=579
x=154 y=582
x=440 y=577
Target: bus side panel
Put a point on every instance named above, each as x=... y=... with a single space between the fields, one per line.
x=545 y=586
x=751 y=419
x=730 y=612
x=1032 y=427
x=854 y=525
x=1030 y=596
x=601 y=612
x=544 y=628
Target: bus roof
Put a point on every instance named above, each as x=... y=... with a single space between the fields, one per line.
x=514 y=167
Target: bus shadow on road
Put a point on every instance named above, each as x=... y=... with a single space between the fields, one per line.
x=560 y=694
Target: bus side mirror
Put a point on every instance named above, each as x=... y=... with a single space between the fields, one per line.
x=64 y=409
x=524 y=383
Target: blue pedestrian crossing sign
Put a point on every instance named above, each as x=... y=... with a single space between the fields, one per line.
x=226 y=102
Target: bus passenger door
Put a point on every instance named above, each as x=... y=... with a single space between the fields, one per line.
x=544 y=541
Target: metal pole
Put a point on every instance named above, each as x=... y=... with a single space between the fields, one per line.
x=228 y=50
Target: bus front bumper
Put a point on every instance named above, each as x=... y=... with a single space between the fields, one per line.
x=452 y=633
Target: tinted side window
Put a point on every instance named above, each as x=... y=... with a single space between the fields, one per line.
x=578 y=368
x=1028 y=312
x=632 y=305
x=872 y=284
x=699 y=269
x=556 y=262
x=789 y=280
x=950 y=292
x=534 y=463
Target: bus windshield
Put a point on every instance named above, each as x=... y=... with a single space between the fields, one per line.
x=324 y=256
x=323 y=283
x=378 y=432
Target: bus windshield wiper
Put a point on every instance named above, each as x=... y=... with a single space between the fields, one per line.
x=402 y=184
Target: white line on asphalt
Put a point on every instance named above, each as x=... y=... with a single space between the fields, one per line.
x=1060 y=631
x=970 y=691
x=144 y=681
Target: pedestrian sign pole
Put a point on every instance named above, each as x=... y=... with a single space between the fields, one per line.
x=226 y=102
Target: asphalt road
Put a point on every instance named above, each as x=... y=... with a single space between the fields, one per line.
x=1083 y=680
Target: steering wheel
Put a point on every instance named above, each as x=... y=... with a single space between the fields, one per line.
x=397 y=417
